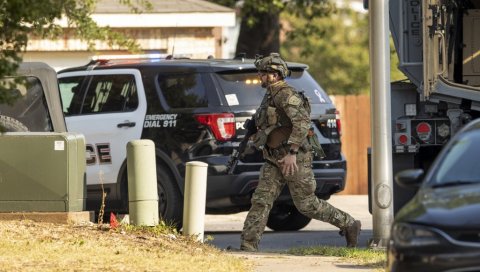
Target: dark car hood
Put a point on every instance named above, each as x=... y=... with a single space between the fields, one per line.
x=449 y=207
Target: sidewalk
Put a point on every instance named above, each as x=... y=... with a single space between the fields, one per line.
x=270 y=262
x=355 y=205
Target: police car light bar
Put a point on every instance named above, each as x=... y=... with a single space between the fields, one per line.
x=133 y=56
x=139 y=56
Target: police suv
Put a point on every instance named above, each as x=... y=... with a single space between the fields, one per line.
x=193 y=110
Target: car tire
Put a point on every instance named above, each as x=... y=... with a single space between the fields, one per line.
x=170 y=201
x=9 y=124
x=286 y=218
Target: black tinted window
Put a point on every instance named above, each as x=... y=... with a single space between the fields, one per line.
x=183 y=90
x=460 y=162
x=241 y=88
x=244 y=88
x=303 y=81
x=110 y=93
x=27 y=108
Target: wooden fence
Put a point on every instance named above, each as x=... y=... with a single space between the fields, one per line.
x=355 y=118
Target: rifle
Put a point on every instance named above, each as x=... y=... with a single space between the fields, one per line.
x=234 y=157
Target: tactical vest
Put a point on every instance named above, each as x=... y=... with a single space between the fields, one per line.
x=273 y=130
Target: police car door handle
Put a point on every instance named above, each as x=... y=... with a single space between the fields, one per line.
x=126 y=124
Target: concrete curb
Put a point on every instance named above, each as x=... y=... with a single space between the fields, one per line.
x=51 y=217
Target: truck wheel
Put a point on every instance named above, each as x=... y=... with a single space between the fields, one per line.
x=286 y=217
x=9 y=124
x=170 y=201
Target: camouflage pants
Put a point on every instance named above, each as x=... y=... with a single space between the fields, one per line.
x=302 y=188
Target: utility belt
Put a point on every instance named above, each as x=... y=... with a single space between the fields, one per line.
x=273 y=140
x=283 y=149
x=278 y=151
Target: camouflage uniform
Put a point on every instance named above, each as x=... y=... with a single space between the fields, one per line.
x=290 y=123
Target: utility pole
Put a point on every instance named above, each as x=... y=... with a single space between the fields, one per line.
x=382 y=184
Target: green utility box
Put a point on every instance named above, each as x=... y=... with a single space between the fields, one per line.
x=42 y=172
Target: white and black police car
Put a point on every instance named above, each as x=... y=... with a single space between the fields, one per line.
x=193 y=110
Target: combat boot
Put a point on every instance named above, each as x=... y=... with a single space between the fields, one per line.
x=351 y=233
x=248 y=248
x=241 y=249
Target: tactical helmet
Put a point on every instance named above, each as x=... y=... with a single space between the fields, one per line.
x=272 y=63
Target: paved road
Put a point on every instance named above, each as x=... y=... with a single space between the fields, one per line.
x=226 y=229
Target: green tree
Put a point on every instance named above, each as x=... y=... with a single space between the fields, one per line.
x=21 y=18
x=260 y=25
x=340 y=59
x=333 y=41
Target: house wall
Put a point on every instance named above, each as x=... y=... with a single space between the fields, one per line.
x=68 y=51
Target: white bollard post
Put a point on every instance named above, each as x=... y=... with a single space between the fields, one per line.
x=142 y=183
x=195 y=199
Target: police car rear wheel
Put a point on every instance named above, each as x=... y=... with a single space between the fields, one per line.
x=170 y=202
x=286 y=217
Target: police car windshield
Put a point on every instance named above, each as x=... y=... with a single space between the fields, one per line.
x=244 y=88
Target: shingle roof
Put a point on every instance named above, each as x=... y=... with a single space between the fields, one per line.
x=163 y=6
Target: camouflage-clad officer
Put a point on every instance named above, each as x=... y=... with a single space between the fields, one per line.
x=283 y=121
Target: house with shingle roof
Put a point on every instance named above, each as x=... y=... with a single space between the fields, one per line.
x=190 y=28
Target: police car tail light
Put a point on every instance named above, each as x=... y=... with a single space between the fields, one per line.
x=339 y=123
x=221 y=124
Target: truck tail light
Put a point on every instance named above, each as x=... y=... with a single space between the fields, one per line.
x=221 y=124
x=339 y=123
x=424 y=131
x=403 y=139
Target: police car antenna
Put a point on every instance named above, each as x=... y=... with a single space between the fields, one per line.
x=174 y=38
x=240 y=56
